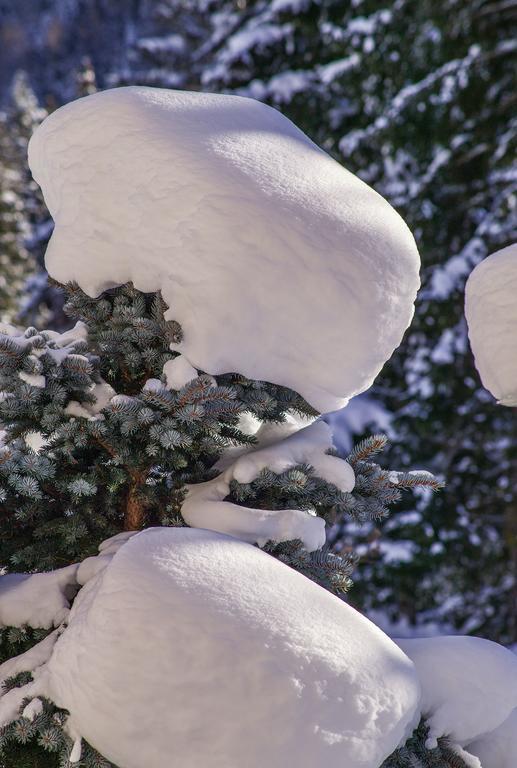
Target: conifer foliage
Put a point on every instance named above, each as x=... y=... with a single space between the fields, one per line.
x=25 y=224
x=16 y=262
x=95 y=442
x=415 y=754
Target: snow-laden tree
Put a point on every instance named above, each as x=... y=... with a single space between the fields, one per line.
x=110 y=428
x=417 y=98
x=98 y=440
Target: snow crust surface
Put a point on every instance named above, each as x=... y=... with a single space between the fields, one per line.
x=491 y=311
x=277 y=262
x=193 y=644
x=469 y=685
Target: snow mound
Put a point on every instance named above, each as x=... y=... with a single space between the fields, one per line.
x=205 y=505
x=491 y=312
x=196 y=644
x=499 y=748
x=469 y=685
x=40 y=600
x=278 y=263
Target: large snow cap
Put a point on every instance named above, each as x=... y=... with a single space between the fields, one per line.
x=278 y=263
x=491 y=311
x=195 y=649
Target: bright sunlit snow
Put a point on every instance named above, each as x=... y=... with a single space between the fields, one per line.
x=195 y=644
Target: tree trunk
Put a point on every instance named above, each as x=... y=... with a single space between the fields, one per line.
x=135 y=504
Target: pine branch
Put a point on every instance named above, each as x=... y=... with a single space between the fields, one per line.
x=412 y=480
x=367 y=448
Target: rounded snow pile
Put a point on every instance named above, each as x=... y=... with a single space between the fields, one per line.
x=469 y=685
x=277 y=262
x=195 y=649
x=491 y=311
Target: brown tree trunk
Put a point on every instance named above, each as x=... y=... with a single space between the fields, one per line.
x=135 y=505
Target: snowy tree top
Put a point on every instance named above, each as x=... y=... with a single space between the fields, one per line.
x=277 y=262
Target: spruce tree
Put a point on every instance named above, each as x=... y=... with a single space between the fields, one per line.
x=417 y=99
x=392 y=106
x=95 y=443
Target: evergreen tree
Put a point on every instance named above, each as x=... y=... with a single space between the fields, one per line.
x=168 y=48
x=16 y=262
x=25 y=224
x=41 y=302
x=414 y=98
x=49 y=41
x=96 y=443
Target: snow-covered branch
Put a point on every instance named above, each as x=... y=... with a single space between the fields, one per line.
x=205 y=505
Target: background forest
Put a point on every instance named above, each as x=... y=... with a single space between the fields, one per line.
x=418 y=98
